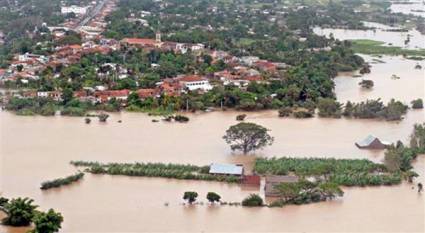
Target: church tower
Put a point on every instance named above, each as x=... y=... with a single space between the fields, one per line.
x=158 y=37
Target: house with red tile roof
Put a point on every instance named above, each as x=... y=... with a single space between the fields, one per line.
x=195 y=82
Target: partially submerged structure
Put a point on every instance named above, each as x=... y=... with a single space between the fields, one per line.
x=372 y=142
x=226 y=169
x=272 y=181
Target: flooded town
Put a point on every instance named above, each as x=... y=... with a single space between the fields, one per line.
x=182 y=116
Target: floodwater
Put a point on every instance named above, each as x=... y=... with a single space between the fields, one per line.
x=417 y=7
x=417 y=40
x=35 y=149
x=409 y=86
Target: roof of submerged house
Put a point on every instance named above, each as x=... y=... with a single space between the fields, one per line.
x=369 y=140
x=228 y=169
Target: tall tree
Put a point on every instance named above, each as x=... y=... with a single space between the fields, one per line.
x=247 y=137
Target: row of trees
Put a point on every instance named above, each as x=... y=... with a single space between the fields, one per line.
x=22 y=212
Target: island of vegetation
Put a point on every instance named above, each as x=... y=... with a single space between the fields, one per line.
x=22 y=212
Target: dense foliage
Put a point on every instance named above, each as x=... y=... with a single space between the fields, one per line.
x=368 y=109
x=190 y=196
x=47 y=222
x=20 y=212
x=61 y=181
x=176 y=171
x=347 y=172
x=253 y=200
x=304 y=192
x=247 y=137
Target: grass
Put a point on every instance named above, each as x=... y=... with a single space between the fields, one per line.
x=378 y=48
x=175 y=171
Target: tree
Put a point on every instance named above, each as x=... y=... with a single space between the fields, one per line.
x=190 y=196
x=3 y=201
x=417 y=104
x=213 y=197
x=49 y=222
x=252 y=200
x=329 y=108
x=20 y=211
x=247 y=137
x=103 y=117
x=67 y=95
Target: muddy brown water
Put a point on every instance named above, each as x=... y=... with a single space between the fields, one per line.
x=35 y=149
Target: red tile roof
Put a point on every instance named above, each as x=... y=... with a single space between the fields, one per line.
x=139 y=41
x=191 y=78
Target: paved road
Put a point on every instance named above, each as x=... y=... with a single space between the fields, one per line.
x=93 y=13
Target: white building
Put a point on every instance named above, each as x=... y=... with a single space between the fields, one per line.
x=195 y=82
x=74 y=9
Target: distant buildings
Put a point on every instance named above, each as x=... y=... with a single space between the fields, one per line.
x=74 y=9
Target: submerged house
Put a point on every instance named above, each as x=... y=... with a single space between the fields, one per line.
x=272 y=181
x=226 y=169
x=372 y=142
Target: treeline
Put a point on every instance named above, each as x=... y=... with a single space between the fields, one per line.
x=369 y=109
x=62 y=181
x=176 y=171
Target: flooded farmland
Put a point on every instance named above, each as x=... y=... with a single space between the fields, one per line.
x=35 y=149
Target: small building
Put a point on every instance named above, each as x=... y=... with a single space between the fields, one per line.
x=272 y=181
x=372 y=142
x=195 y=82
x=226 y=169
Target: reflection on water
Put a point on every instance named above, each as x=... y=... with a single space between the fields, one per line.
x=34 y=149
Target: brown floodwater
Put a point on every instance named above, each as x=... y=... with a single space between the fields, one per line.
x=409 y=86
x=35 y=149
x=417 y=40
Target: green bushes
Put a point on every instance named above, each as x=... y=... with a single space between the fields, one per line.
x=22 y=212
x=62 y=181
x=348 y=172
x=417 y=138
x=176 y=171
x=190 y=196
x=417 y=104
x=304 y=192
x=329 y=108
x=252 y=201
x=376 y=109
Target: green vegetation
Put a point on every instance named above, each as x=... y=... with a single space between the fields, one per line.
x=48 y=222
x=369 y=109
x=304 y=192
x=329 y=108
x=377 y=48
x=176 y=171
x=253 y=200
x=417 y=138
x=61 y=181
x=213 y=197
x=417 y=104
x=365 y=83
x=20 y=212
x=347 y=172
x=190 y=196
x=247 y=137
